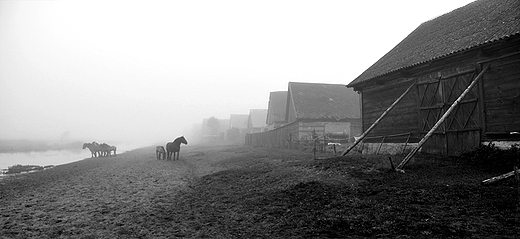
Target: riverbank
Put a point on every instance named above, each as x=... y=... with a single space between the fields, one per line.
x=245 y=192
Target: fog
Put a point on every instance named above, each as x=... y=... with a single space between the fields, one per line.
x=147 y=71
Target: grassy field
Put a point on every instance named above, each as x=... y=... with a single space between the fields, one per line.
x=245 y=192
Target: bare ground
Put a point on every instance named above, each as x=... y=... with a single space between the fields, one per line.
x=245 y=192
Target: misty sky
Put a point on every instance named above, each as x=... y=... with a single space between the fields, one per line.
x=148 y=70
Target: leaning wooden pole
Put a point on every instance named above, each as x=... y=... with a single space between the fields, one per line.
x=439 y=122
x=378 y=120
x=500 y=177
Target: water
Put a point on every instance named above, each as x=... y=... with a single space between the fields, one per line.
x=52 y=157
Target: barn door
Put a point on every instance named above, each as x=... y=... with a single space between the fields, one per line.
x=461 y=130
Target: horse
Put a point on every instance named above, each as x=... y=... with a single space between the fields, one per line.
x=160 y=151
x=106 y=150
x=93 y=147
x=113 y=148
x=175 y=147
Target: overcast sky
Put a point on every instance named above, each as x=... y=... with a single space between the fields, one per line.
x=148 y=70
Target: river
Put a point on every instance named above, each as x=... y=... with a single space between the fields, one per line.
x=51 y=157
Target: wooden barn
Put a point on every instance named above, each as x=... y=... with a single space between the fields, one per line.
x=329 y=112
x=257 y=121
x=459 y=77
x=323 y=109
x=276 y=109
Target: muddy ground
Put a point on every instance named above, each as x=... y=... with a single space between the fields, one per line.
x=245 y=192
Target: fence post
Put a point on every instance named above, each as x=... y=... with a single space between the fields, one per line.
x=381 y=145
x=290 y=140
x=406 y=143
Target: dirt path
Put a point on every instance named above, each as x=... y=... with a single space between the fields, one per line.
x=100 y=197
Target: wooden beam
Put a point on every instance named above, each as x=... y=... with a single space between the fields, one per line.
x=439 y=122
x=500 y=177
x=378 y=119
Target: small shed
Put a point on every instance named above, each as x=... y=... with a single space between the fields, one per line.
x=323 y=109
x=473 y=49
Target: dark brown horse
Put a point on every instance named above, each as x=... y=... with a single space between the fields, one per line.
x=175 y=147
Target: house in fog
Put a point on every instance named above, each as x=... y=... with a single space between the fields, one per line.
x=276 y=109
x=238 y=121
x=257 y=120
x=238 y=124
x=322 y=109
x=475 y=48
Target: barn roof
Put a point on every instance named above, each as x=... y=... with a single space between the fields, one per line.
x=276 y=109
x=476 y=24
x=324 y=101
x=257 y=118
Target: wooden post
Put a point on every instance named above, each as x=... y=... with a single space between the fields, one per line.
x=439 y=122
x=391 y=163
x=406 y=143
x=290 y=140
x=381 y=145
x=379 y=119
x=324 y=143
x=314 y=139
x=517 y=177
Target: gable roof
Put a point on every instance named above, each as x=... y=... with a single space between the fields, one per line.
x=277 y=106
x=476 y=24
x=257 y=118
x=323 y=101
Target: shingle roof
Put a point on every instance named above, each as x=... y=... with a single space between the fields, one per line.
x=473 y=25
x=324 y=101
x=277 y=103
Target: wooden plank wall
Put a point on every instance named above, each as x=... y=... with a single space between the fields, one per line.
x=402 y=119
x=502 y=95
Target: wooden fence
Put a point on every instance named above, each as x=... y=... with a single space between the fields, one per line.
x=287 y=137
x=277 y=138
